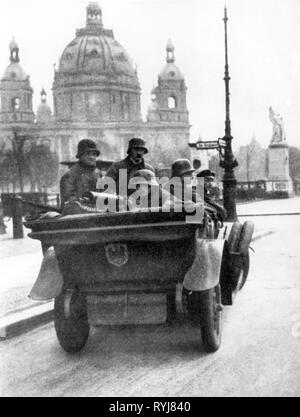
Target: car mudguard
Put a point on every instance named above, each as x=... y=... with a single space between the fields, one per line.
x=206 y=268
x=49 y=282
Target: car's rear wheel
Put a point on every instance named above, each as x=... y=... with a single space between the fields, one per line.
x=245 y=237
x=245 y=269
x=243 y=249
x=238 y=243
x=205 y=310
x=71 y=320
x=234 y=236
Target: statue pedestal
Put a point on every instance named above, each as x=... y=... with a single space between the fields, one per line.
x=279 y=180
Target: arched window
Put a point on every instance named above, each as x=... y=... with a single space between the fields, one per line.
x=171 y=102
x=15 y=103
x=169 y=55
x=125 y=106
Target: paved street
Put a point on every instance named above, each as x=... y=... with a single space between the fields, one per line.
x=259 y=355
x=20 y=261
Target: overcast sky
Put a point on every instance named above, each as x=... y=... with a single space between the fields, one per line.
x=264 y=54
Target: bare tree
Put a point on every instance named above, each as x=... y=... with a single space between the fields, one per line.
x=43 y=165
x=18 y=142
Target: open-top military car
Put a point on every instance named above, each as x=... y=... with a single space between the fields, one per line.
x=130 y=263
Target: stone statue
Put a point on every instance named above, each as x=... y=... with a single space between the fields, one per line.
x=278 y=135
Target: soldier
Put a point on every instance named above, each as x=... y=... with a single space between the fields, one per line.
x=132 y=163
x=182 y=168
x=83 y=175
x=209 y=177
x=196 y=166
x=145 y=184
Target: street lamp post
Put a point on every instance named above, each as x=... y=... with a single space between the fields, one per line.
x=223 y=145
x=228 y=162
x=18 y=150
x=18 y=142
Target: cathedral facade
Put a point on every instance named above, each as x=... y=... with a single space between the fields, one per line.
x=96 y=94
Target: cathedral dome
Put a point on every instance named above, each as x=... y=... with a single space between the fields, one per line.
x=95 y=63
x=96 y=52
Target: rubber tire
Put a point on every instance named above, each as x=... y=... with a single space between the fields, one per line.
x=246 y=267
x=246 y=236
x=72 y=332
x=239 y=240
x=234 y=236
x=201 y=307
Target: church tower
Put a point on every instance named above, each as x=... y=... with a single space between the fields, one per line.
x=44 y=114
x=15 y=91
x=169 y=97
x=167 y=129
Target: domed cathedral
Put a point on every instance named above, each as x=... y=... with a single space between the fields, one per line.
x=97 y=95
x=96 y=90
x=167 y=127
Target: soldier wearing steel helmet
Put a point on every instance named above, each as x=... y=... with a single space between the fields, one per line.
x=144 y=181
x=82 y=176
x=209 y=177
x=132 y=163
x=182 y=168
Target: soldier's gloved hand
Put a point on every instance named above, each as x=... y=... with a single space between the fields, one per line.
x=222 y=214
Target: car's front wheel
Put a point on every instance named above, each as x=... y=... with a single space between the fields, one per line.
x=205 y=310
x=71 y=320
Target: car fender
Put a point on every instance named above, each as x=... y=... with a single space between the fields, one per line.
x=49 y=282
x=206 y=269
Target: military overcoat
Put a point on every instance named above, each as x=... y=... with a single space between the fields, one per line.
x=79 y=179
